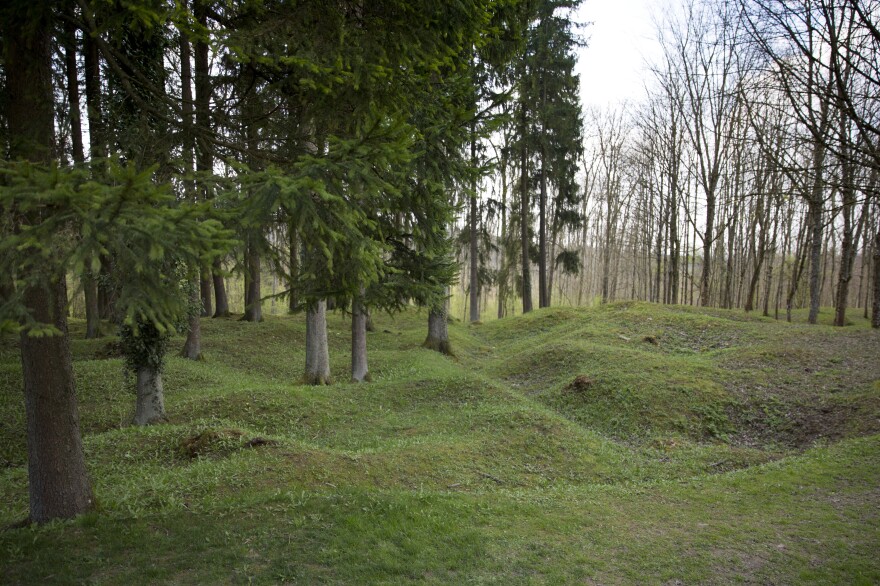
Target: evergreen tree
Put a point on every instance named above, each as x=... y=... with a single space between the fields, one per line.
x=556 y=128
x=548 y=138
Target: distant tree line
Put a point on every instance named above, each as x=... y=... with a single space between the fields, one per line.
x=747 y=177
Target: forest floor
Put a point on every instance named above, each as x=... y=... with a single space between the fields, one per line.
x=623 y=444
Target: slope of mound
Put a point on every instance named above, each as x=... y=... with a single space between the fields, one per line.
x=639 y=372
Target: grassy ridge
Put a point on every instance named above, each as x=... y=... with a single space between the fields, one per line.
x=624 y=444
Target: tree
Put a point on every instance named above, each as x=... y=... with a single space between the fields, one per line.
x=704 y=47
x=549 y=140
x=58 y=481
x=822 y=56
x=66 y=219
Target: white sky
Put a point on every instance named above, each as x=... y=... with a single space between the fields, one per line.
x=621 y=36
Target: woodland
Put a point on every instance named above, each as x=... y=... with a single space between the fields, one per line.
x=605 y=346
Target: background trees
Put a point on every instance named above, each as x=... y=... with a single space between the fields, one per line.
x=744 y=178
x=326 y=149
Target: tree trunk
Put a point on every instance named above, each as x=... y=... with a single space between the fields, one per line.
x=438 y=330
x=850 y=243
x=73 y=87
x=204 y=152
x=221 y=302
x=674 y=255
x=57 y=477
x=847 y=257
x=503 y=273
x=474 y=232
x=93 y=97
x=150 y=397
x=524 y=220
x=253 y=310
x=815 y=258
x=606 y=253
x=293 y=298
x=96 y=151
x=657 y=295
x=93 y=317
x=359 y=370
x=768 y=278
x=58 y=483
x=106 y=294
x=317 y=349
x=192 y=348
x=543 y=300
x=875 y=310
x=758 y=257
x=708 y=238
x=206 y=287
x=797 y=268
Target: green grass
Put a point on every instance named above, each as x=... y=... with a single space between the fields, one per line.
x=625 y=444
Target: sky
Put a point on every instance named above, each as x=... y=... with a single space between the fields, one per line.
x=621 y=36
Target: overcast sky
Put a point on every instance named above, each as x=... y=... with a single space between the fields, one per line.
x=622 y=34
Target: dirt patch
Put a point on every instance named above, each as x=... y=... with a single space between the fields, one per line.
x=218 y=442
x=809 y=387
x=581 y=384
x=799 y=425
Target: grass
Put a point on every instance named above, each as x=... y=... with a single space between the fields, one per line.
x=629 y=443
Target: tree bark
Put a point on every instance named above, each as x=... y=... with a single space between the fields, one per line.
x=758 y=257
x=73 y=87
x=150 y=406
x=253 y=310
x=204 y=151
x=708 y=239
x=206 y=287
x=359 y=370
x=293 y=298
x=192 y=348
x=543 y=300
x=816 y=213
x=58 y=483
x=797 y=268
x=606 y=251
x=875 y=309
x=93 y=97
x=474 y=232
x=768 y=278
x=57 y=477
x=93 y=311
x=317 y=349
x=438 y=330
x=96 y=151
x=106 y=295
x=815 y=203
x=221 y=302
x=849 y=245
x=503 y=275
x=524 y=218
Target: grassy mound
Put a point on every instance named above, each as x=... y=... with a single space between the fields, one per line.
x=628 y=443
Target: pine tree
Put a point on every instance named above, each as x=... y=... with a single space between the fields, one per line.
x=549 y=138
